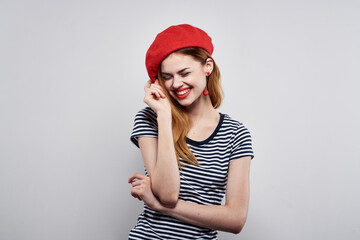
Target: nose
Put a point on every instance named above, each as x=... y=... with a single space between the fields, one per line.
x=177 y=83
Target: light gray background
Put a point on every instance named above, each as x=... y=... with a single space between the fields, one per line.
x=72 y=76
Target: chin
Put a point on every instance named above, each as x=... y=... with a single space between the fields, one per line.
x=185 y=104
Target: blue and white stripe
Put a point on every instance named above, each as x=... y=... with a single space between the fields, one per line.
x=204 y=184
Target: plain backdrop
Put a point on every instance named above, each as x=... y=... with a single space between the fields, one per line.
x=71 y=80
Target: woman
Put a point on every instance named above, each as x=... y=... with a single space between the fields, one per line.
x=193 y=154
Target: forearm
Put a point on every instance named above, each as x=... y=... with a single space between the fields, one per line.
x=219 y=217
x=165 y=179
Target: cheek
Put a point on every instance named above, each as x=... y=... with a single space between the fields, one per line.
x=200 y=80
x=167 y=86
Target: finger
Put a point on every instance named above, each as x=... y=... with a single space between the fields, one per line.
x=137 y=183
x=155 y=93
x=158 y=87
x=136 y=176
x=151 y=90
x=147 y=85
x=150 y=83
x=135 y=194
x=159 y=90
x=162 y=94
x=138 y=195
x=157 y=82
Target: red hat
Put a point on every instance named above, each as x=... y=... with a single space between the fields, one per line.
x=172 y=39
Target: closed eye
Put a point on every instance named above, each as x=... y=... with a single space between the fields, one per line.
x=166 y=77
x=185 y=74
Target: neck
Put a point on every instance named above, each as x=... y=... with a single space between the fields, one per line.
x=202 y=109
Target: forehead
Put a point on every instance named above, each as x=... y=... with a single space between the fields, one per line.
x=177 y=61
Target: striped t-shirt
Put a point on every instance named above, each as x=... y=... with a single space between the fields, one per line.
x=204 y=184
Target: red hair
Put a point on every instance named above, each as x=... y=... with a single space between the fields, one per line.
x=181 y=123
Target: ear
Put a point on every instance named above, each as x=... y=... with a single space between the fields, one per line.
x=209 y=65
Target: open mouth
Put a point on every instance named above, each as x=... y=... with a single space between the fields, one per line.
x=183 y=92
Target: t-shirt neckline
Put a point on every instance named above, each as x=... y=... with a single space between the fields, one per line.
x=193 y=142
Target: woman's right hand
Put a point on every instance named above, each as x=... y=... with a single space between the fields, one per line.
x=155 y=98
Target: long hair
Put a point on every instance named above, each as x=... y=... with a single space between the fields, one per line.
x=181 y=123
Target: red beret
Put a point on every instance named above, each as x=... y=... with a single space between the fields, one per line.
x=172 y=39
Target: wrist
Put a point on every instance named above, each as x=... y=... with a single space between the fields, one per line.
x=164 y=115
x=157 y=206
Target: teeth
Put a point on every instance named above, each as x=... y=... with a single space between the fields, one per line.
x=183 y=92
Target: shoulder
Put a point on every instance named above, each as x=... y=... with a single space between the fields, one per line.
x=146 y=114
x=234 y=125
x=240 y=138
x=239 y=133
x=145 y=124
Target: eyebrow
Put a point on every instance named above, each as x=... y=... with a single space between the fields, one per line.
x=182 y=70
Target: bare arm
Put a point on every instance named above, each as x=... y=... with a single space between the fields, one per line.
x=159 y=153
x=230 y=217
x=160 y=161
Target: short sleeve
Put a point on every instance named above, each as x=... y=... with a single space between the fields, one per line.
x=242 y=144
x=145 y=124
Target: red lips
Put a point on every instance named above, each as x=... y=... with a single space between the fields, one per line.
x=184 y=92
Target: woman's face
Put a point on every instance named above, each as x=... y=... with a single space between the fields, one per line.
x=184 y=78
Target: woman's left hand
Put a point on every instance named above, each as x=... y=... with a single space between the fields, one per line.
x=141 y=189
